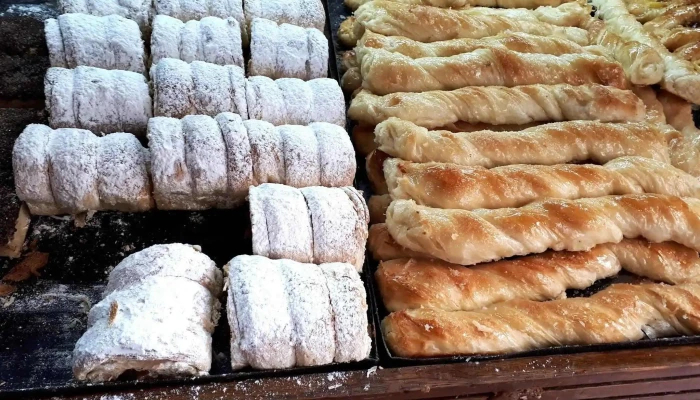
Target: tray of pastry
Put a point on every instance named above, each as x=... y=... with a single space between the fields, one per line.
x=435 y=109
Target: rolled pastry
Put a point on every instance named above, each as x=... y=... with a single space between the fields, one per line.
x=655 y=110
x=383 y=247
x=527 y=104
x=548 y=144
x=109 y=42
x=620 y=313
x=384 y=72
x=675 y=26
x=303 y=13
x=533 y=4
x=290 y=101
x=452 y=186
x=181 y=89
x=287 y=51
x=681 y=77
x=102 y=101
x=573 y=13
x=155 y=319
x=678 y=113
x=396 y=19
x=72 y=171
x=187 y=10
x=642 y=64
x=138 y=10
x=289 y=314
x=213 y=40
x=470 y=237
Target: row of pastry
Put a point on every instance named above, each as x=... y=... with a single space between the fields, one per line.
x=106 y=101
x=114 y=42
x=161 y=306
x=196 y=162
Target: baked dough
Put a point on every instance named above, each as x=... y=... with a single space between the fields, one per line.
x=526 y=104
x=684 y=149
x=384 y=72
x=354 y=4
x=396 y=19
x=140 y=11
x=471 y=237
x=451 y=186
x=549 y=144
x=187 y=10
x=303 y=13
x=674 y=27
x=620 y=313
x=383 y=247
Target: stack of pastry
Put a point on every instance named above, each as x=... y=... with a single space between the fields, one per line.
x=508 y=168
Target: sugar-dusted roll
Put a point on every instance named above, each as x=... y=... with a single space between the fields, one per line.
x=314 y=224
x=287 y=51
x=295 y=102
x=99 y=100
x=181 y=89
x=213 y=40
x=69 y=171
x=109 y=42
x=303 y=13
x=137 y=10
x=290 y=314
x=187 y=10
x=157 y=317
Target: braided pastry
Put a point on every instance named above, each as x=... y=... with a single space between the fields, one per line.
x=384 y=72
x=526 y=104
x=670 y=27
x=396 y=19
x=548 y=144
x=531 y=4
x=471 y=237
x=619 y=313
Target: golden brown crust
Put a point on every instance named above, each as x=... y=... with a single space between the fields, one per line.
x=655 y=111
x=456 y=4
x=377 y=206
x=619 y=313
x=671 y=26
x=346 y=32
x=375 y=174
x=384 y=247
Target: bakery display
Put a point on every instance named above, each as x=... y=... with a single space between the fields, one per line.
x=287 y=51
x=156 y=318
x=201 y=162
x=109 y=42
x=310 y=225
x=186 y=10
x=620 y=313
x=211 y=39
x=140 y=11
x=285 y=313
x=531 y=4
x=526 y=104
x=99 y=100
x=303 y=13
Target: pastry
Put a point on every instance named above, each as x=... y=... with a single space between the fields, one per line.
x=654 y=108
x=572 y=13
x=303 y=13
x=287 y=51
x=99 y=100
x=109 y=42
x=213 y=40
x=470 y=237
x=396 y=19
x=675 y=27
x=287 y=314
x=684 y=149
x=451 y=186
x=526 y=104
x=187 y=10
x=140 y=11
x=620 y=313
x=548 y=144
x=354 y=4
x=383 y=247
x=384 y=72
x=377 y=206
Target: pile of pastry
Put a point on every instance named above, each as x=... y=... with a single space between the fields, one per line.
x=517 y=153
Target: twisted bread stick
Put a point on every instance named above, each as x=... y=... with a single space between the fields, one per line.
x=384 y=72
x=430 y=24
x=672 y=22
x=548 y=144
x=459 y=187
x=619 y=313
x=470 y=237
x=354 y=4
x=526 y=104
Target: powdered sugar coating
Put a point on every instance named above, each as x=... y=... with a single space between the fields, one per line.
x=264 y=41
x=336 y=155
x=213 y=40
x=238 y=91
x=335 y=226
x=171 y=260
x=172 y=182
x=263 y=314
x=303 y=13
x=292 y=53
x=205 y=153
x=317 y=64
x=30 y=163
x=266 y=148
x=328 y=103
x=301 y=158
x=211 y=94
x=361 y=223
x=73 y=170
x=287 y=224
x=265 y=100
x=54 y=43
x=187 y=10
x=239 y=158
x=172 y=88
x=348 y=299
x=309 y=305
x=137 y=10
x=298 y=100
x=122 y=173
x=103 y=101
